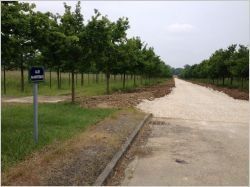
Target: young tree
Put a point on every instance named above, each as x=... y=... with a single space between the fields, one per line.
x=105 y=36
x=16 y=31
x=72 y=26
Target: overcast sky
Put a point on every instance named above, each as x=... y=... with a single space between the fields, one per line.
x=180 y=32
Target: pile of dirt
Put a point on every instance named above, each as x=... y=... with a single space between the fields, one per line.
x=78 y=161
x=233 y=92
x=121 y=100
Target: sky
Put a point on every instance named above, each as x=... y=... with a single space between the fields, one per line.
x=181 y=32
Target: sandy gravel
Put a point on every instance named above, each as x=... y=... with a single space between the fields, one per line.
x=191 y=101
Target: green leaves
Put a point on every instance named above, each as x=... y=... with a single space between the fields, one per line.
x=230 y=62
x=65 y=43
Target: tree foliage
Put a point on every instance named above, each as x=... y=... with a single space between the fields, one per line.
x=232 y=62
x=67 y=43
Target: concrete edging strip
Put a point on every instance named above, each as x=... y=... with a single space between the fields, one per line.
x=111 y=165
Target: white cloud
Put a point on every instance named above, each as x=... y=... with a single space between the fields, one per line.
x=180 y=28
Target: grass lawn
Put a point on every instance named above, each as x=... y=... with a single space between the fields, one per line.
x=57 y=122
x=89 y=88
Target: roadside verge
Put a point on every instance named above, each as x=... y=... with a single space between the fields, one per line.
x=110 y=167
x=80 y=160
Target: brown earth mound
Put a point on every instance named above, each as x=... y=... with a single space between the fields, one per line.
x=233 y=92
x=120 y=100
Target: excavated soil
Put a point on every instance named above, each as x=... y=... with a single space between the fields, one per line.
x=233 y=92
x=123 y=100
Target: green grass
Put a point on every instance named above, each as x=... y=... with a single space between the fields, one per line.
x=236 y=83
x=57 y=122
x=88 y=89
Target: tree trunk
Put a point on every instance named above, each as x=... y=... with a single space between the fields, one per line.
x=69 y=79
x=124 y=78
x=4 y=80
x=134 y=79
x=22 y=77
x=76 y=79
x=49 y=78
x=72 y=87
x=131 y=76
x=231 y=81
x=107 y=81
x=88 y=77
x=213 y=80
x=242 y=82
x=82 y=79
x=58 y=78
x=223 y=81
x=121 y=76
x=96 y=78
x=141 y=79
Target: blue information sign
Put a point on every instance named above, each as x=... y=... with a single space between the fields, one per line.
x=36 y=74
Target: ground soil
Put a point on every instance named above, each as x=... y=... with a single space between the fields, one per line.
x=80 y=160
x=233 y=92
x=121 y=100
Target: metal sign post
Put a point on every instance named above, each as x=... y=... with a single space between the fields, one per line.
x=35 y=88
x=36 y=75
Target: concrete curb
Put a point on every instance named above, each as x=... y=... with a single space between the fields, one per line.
x=111 y=165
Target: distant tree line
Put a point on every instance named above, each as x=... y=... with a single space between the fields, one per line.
x=230 y=63
x=64 y=43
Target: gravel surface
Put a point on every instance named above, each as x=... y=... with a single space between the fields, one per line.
x=198 y=137
x=191 y=101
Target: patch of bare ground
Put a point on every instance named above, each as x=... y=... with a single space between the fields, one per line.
x=121 y=100
x=136 y=148
x=233 y=92
x=79 y=160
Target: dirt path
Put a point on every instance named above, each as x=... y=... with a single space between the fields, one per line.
x=29 y=99
x=198 y=137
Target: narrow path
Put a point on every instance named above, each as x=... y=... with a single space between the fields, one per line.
x=29 y=99
x=198 y=137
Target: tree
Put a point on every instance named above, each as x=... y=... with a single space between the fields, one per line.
x=105 y=37
x=223 y=63
x=16 y=31
x=72 y=26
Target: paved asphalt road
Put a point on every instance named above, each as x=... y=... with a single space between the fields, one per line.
x=199 y=137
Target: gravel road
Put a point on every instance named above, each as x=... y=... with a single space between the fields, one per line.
x=198 y=137
x=191 y=101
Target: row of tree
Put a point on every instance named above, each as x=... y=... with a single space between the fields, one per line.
x=64 y=43
x=231 y=63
